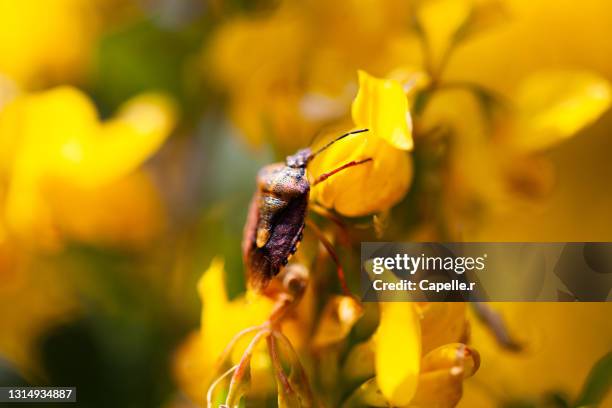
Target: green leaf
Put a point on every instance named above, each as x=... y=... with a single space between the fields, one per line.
x=598 y=383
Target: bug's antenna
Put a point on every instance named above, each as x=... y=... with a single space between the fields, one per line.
x=312 y=156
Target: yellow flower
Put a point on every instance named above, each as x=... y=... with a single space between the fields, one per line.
x=53 y=140
x=290 y=72
x=126 y=212
x=398 y=351
x=446 y=23
x=555 y=105
x=197 y=362
x=336 y=321
x=561 y=343
x=495 y=166
x=255 y=60
x=221 y=320
x=416 y=355
x=46 y=40
x=381 y=106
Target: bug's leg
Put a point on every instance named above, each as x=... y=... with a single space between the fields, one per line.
x=332 y=253
x=327 y=175
x=324 y=212
x=327 y=214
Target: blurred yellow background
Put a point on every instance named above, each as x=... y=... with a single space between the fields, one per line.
x=131 y=133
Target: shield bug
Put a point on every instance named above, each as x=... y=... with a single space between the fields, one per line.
x=277 y=214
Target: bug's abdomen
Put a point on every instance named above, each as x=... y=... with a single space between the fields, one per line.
x=275 y=223
x=287 y=232
x=263 y=263
x=270 y=206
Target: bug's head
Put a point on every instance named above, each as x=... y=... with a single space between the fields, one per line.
x=299 y=159
x=302 y=157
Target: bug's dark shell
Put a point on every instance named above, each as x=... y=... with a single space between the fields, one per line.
x=279 y=206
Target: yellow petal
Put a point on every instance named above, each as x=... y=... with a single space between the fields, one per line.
x=125 y=142
x=440 y=20
x=398 y=351
x=33 y=40
x=56 y=137
x=337 y=320
x=454 y=356
x=443 y=372
x=578 y=332
x=485 y=14
x=211 y=288
x=443 y=323
x=61 y=136
x=222 y=319
x=191 y=367
x=554 y=105
x=359 y=363
x=367 y=188
x=265 y=91
x=381 y=105
x=43 y=132
x=438 y=389
x=368 y=394
x=126 y=212
x=41 y=125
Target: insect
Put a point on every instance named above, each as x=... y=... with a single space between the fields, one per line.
x=277 y=214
